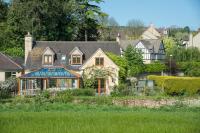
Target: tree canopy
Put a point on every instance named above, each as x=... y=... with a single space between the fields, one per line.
x=57 y=20
x=134 y=59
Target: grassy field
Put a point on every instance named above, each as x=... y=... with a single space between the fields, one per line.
x=93 y=115
x=100 y=119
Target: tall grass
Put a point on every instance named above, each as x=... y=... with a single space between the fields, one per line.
x=145 y=121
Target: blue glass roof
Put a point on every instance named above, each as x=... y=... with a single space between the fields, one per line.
x=50 y=73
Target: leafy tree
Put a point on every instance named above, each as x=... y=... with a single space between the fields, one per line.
x=174 y=30
x=180 y=37
x=190 y=54
x=57 y=20
x=88 y=24
x=135 y=60
x=187 y=29
x=121 y=62
x=3 y=10
x=190 y=68
x=170 y=44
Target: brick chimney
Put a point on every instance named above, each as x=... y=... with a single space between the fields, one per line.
x=28 y=45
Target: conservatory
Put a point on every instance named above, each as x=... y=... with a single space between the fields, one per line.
x=52 y=79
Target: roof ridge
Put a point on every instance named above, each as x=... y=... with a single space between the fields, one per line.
x=81 y=41
x=9 y=58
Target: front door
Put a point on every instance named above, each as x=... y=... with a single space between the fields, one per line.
x=100 y=86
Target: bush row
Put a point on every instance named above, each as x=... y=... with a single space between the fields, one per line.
x=190 y=68
x=177 y=85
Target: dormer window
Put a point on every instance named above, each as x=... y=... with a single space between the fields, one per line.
x=48 y=60
x=76 y=56
x=48 y=56
x=76 y=59
x=99 y=61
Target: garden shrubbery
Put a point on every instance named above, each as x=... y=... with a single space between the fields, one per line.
x=177 y=85
x=122 y=90
x=7 y=87
x=83 y=92
x=190 y=68
x=155 y=67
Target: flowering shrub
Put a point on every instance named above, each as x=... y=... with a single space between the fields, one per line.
x=7 y=87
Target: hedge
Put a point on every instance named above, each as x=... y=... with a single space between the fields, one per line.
x=155 y=67
x=177 y=85
x=190 y=68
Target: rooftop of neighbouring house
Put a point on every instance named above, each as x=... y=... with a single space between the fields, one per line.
x=148 y=43
x=8 y=63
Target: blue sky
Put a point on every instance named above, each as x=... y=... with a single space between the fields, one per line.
x=162 y=13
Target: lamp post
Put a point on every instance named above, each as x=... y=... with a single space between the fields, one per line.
x=170 y=63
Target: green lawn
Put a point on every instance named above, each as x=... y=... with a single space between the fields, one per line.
x=98 y=121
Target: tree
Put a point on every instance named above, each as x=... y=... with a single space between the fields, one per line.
x=170 y=44
x=88 y=24
x=3 y=10
x=180 y=37
x=190 y=54
x=135 y=28
x=121 y=62
x=109 y=29
x=187 y=29
x=134 y=59
x=52 y=20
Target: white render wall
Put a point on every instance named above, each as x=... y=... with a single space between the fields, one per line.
x=2 y=76
x=194 y=41
x=145 y=53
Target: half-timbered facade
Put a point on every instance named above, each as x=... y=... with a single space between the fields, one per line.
x=152 y=49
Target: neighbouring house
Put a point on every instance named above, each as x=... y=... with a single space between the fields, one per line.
x=194 y=41
x=60 y=65
x=152 y=33
x=152 y=49
x=9 y=67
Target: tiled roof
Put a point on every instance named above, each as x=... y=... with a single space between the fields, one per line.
x=151 y=44
x=8 y=64
x=34 y=60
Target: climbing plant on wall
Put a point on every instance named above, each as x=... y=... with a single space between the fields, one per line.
x=90 y=74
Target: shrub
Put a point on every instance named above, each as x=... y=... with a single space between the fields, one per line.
x=177 y=85
x=7 y=87
x=190 y=68
x=122 y=90
x=63 y=96
x=155 y=67
x=83 y=92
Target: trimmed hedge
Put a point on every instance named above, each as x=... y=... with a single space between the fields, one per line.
x=177 y=85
